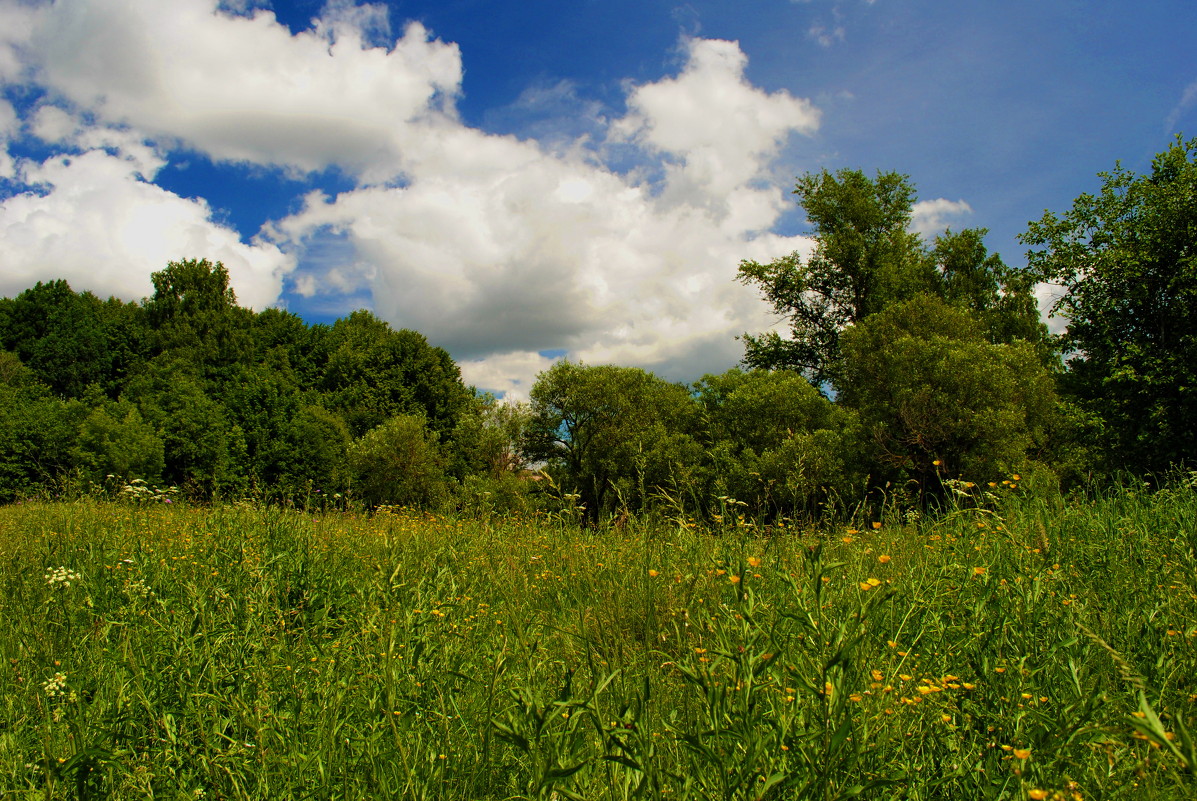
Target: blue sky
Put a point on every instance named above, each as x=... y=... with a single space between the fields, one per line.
x=524 y=180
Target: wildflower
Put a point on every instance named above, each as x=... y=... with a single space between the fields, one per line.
x=56 y=686
x=1022 y=753
x=876 y=525
x=61 y=576
x=734 y=579
x=884 y=559
x=653 y=574
x=978 y=571
x=754 y=561
x=1037 y=794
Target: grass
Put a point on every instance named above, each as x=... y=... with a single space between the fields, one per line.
x=1029 y=649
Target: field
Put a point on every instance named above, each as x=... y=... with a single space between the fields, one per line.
x=1010 y=649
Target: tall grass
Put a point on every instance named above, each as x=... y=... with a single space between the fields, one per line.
x=1018 y=648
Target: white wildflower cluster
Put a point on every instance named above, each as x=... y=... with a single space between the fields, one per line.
x=56 y=686
x=61 y=577
x=139 y=491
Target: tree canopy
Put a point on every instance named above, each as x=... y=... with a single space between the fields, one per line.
x=1126 y=259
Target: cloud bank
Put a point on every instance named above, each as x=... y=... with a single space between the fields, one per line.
x=497 y=248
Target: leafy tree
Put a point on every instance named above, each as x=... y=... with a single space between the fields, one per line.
x=204 y=448
x=58 y=334
x=1127 y=259
x=1002 y=299
x=115 y=440
x=613 y=431
x=864 y=260
x=318 y=441
x=373 y=373
x=774 y=442
x=37 y=431
x=399 y=462
x=936 y=398
x=195 y=315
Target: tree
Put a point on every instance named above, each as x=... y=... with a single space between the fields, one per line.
x=373 y=373
x=1127 y=260
x=864 y=260
x=1000 y=298
x=399 y=462
x=774 y=442
x=195 y=315
x=614 y=431
x=936 y=398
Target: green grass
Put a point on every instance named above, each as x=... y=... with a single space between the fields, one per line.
x=239 y=652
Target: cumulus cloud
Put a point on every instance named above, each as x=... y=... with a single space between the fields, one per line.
x=718 y=131
x=499 y=249
x=496 y=247
x=242 y=87
x=92 y=219
x=931 y=217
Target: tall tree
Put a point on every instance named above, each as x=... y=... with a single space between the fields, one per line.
x=1127 y=259
x=612 y=430
x=865 y=259
x=936 y=398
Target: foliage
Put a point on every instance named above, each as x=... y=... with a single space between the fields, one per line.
x=617 y=432
x=865 y=260
x=1127 y=259
x=936 y=398
x=398 y=463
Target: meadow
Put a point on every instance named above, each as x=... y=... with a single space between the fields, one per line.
x=1009 y=647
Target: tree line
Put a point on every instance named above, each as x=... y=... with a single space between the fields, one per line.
x=908 y=369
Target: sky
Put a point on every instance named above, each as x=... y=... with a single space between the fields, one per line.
x=526 y=181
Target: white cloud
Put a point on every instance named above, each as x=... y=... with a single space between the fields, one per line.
x=721 y=131
x=1188 y=99
x=495 y=247
x=243 y=88
x=499 y=250
x=931 y=217
x=92 y=220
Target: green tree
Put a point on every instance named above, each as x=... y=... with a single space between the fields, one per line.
x=195 y=316
x=373 y=373
x=613 y=431
x=1002 y=299
x=204 y=449
x=37 y=431
x=59 y=335
x=936 y=398
x=115 y=440
x=399 y=462
x=865 y=259
x=774 y=442
x=1127 y=260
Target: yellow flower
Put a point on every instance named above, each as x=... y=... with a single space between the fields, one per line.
x=734 y=579
x=1016 y=477
x=653 y=574
x=1037 y=794
x=754 y=561
x=876 y=525
x=1022 y=753
x=937 y=463
x=873 y=582
x=847 y=539
x=865 y=586
x=978 y=571
x=883 y=559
